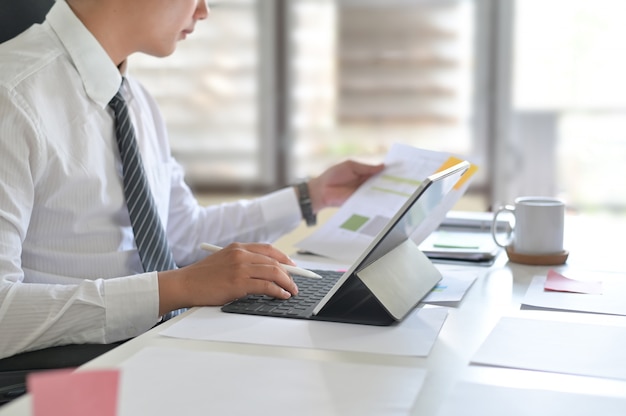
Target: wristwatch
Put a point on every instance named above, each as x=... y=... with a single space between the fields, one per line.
x=304 y=199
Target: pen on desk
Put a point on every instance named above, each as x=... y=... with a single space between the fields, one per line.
x=290 y=269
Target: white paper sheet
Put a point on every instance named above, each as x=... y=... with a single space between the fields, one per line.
x=414 y=336
x=163 y=381
x=486 y=400
x=452 y=287
x=611 y=301
x=353 y=227
x=561 y=347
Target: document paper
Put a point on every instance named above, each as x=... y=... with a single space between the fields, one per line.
x=74 y=393
x=611 y=301
x=166 y=381
x=414 y=336
x=560 y=347
x=353 y=227
x=487 y=400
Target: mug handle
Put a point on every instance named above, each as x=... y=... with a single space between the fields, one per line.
x=505 y=208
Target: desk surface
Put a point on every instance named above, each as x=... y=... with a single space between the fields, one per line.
x=496 y=293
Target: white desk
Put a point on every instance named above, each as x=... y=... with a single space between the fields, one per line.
x=496 y=293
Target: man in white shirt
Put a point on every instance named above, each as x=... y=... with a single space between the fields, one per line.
x=70 y=272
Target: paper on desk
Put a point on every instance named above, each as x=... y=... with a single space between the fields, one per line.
x=610 y=301
x=163 y=381
x=74 y=393
x=452 y=287
x=414 y=336
x=560 y=347
x=353 y=227
x=557 y=282
x=487 y=400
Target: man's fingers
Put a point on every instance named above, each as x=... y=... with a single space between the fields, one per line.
x=267 y=279
x=269 y=288
x=273 y=276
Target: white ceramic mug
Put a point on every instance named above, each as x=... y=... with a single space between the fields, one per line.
x=539 y=225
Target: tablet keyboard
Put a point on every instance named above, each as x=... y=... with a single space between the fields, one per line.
x=310 y=293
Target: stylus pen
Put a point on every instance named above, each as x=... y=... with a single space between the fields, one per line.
x=290 y=269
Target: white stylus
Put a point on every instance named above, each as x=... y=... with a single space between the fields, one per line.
x=290 y=269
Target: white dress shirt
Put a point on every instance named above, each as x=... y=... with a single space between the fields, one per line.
x=69 y=268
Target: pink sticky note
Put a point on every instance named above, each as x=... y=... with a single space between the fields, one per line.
x=557 y=282
x=70 y=393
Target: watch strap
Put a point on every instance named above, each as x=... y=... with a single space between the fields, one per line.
x=306 y=206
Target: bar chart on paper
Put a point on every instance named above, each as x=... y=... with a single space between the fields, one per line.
x=394 y=190
x=348 y=233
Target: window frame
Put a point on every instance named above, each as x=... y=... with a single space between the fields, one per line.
x=275 y=84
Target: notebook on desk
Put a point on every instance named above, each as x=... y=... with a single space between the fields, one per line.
x=464 y=237
x=456 y=246
x=384 y=284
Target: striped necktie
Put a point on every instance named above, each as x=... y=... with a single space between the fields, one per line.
x=154 y=251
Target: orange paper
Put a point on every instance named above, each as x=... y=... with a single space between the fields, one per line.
x=452 y=160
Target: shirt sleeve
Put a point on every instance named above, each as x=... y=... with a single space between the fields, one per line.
x=39 y=315
x=263 y=219
x=35 y=316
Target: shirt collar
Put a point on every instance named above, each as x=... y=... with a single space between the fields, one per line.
x=100 y=77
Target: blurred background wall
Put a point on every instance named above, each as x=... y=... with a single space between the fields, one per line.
x=533 y=91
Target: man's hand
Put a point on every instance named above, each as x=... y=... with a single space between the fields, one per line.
x=333 y=187
x=231 y=273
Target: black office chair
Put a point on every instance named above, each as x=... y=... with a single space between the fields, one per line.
x=15 y=17
x=18 y=15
